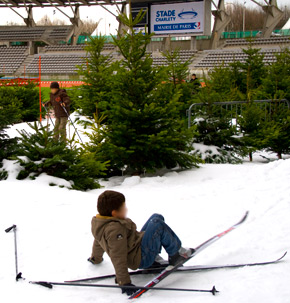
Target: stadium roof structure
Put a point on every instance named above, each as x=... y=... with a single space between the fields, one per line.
x=53 y=3
x=222 y=17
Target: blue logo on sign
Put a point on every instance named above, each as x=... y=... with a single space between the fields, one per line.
x=187 y=14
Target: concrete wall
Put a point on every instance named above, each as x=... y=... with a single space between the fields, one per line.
x=200 y=45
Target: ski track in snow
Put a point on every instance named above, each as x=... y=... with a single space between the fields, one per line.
x=54 y=238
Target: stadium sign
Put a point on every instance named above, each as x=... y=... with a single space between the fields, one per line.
x=178 y=18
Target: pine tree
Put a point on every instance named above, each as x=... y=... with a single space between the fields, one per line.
x=277 y=79
x=28 y=95
x=10 y=113
x=251 y=123
x=248 y=75
x=39 y=153
x=176 y=68
x=276 y=132
x=223 y=83
x=97 y=71
x=214 y=126
x=178 y=71
x=143 y=130
x=27 y=100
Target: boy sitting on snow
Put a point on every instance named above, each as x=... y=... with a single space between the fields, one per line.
x=117 y=236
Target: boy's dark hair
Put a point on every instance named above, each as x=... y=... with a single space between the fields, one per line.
x=54 y=85
x=108 y=201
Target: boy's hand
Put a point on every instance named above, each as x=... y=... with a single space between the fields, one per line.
x=128 y=291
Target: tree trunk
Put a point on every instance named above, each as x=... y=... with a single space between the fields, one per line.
x=251 y=156
x=279 y=155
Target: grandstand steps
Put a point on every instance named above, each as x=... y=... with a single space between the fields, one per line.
x=25 y=63
x=199 y=56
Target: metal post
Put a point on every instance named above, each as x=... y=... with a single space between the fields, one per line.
x=237 y=103
x=7 y=230
x=16 y=257
x=244 y=18
x=39 y=75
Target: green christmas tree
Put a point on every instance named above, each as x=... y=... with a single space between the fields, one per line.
x=248 y=75
x=276 y=132
x=39 y=153
x=251 y=122
x=10 y=113
x=143 y=129
x=214 y=125
x=178 y=72
x=276 y=80
x=96 y=71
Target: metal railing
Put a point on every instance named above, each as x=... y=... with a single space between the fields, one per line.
x=233 y=106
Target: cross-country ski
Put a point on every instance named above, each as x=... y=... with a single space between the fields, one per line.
x=182 y=269
x=172 y=268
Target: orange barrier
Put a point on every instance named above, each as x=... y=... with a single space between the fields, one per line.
x=63 y=83
x=19 y=81
x=26 y=81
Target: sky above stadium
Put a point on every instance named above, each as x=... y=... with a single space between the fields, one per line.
x=108 y=23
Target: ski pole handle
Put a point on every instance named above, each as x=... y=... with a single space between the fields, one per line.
x=7 y=230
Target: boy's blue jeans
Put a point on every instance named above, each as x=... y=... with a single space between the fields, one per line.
x=157 y=234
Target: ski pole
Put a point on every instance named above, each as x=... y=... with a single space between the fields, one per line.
x=71 y=122
x=156 y=270
x=183 y=269
x=48 y=115
x=7 y=230
x=51 y=284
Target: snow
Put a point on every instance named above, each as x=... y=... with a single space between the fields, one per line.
x=54 y=239
x=13 y=131
x=205 y=150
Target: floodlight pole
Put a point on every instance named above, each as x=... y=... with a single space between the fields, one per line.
x=244 y=17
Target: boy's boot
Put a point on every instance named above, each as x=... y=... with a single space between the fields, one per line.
x=159 y=262
x=181 y=255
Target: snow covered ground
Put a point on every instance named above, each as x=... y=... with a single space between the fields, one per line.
x=54 y=239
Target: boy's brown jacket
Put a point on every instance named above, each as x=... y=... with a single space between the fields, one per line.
x=55 y=101
x=121 y=241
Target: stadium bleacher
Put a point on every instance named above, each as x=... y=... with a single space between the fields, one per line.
x=11 y=58
x=66 y=63
x=258 y=41
x=184 y=56
x=62 y=58
x=71 y=48
x=218 y=57
x=56 y=64
x=38 y=33
x=60 y=32
x=63 y=47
